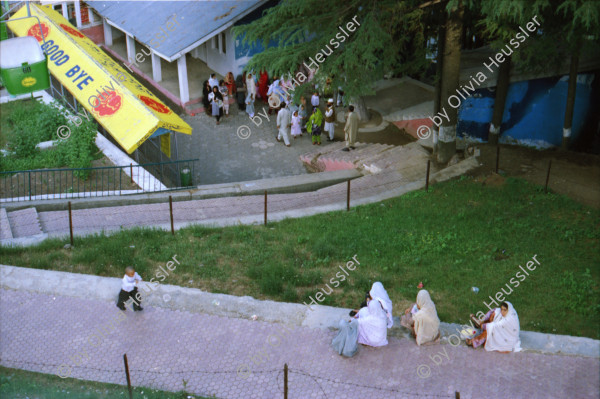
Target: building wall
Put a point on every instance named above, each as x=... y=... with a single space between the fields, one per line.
x=219 y=54
x=534 y=111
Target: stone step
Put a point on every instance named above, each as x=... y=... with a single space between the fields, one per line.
x=312 y=157
x=354 y=157
x=24 y=223
x=397 y=158
x=5 y=230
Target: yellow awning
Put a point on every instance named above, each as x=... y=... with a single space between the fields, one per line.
x=123 y=106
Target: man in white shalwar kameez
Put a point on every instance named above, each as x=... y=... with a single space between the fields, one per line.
x=283 y=124
x=330 y=119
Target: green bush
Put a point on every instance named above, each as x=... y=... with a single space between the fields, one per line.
x=77 y=150
x=40 y=122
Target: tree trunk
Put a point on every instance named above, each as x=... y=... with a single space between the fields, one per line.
x=361 y=110
x=450 y=85
x=571 y=96
x=438 y=84
x=500 y=100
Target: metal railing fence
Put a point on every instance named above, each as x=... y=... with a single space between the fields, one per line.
x=39 y=184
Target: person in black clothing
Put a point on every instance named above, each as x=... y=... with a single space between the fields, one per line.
x=206 y=90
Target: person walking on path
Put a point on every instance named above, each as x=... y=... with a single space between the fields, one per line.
x=129 y=290
x=251 y=95
x=350 y=129
x=296 y=130
x=283 y=124
x=302 y=113
x=216 y=100
x=313 y=126
x=330 y=119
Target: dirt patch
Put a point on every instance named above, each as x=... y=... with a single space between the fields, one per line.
x=574 y=174
x=493 y=180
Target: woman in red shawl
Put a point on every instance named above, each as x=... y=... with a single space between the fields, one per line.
x=230 y=83
x=263 y=85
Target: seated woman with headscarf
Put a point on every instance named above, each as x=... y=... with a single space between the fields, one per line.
x=422 y=320
x=500 y=330
x=369 y=326
x=376 y=318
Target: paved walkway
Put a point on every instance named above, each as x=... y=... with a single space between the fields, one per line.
x=238 y=357
x=225 y=157
x=33 y=225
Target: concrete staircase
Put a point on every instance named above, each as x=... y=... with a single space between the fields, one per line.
x=410 y=160
x=331 y=157
x=19 y=226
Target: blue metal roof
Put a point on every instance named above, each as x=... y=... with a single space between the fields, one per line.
x=197 y=21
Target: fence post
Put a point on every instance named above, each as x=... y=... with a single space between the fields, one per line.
x=456 y=395
x=548 y=176
x=131 y=172
x=70 y=223
x=348 y=197
x=427 y=177
x=497 y=156
x=29 y=173
x=171 y=212
x=265 y=207
x=127 y=375
x=285 y=381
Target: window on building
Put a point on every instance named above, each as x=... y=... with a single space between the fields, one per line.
x=223 y=43
x=213 y=42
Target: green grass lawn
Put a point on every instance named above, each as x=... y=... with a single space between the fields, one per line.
x=461 y=234
x=20 y=384
x=6 y=110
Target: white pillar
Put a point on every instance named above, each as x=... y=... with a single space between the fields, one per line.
x=91 y=15
x=65 y=10
x=107 y=33
x=184 y=91
x=130 y=48
x=78 y=13
x=156 y=68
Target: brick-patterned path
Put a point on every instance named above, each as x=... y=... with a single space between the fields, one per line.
x=39 y=332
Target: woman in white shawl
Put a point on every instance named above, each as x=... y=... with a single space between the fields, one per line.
x=500 y=330
x=376 y=318
x=369 y=326
x=250 y=94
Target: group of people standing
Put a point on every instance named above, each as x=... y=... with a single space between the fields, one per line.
x=217 y=95
x=292 y=120
x=499 y=330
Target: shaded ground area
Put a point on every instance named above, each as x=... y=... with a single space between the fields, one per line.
x=394 y=95
x=574 y=174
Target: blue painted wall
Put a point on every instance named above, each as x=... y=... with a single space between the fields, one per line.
x=533 y=114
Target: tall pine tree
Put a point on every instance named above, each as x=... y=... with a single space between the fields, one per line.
x=389 y=41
